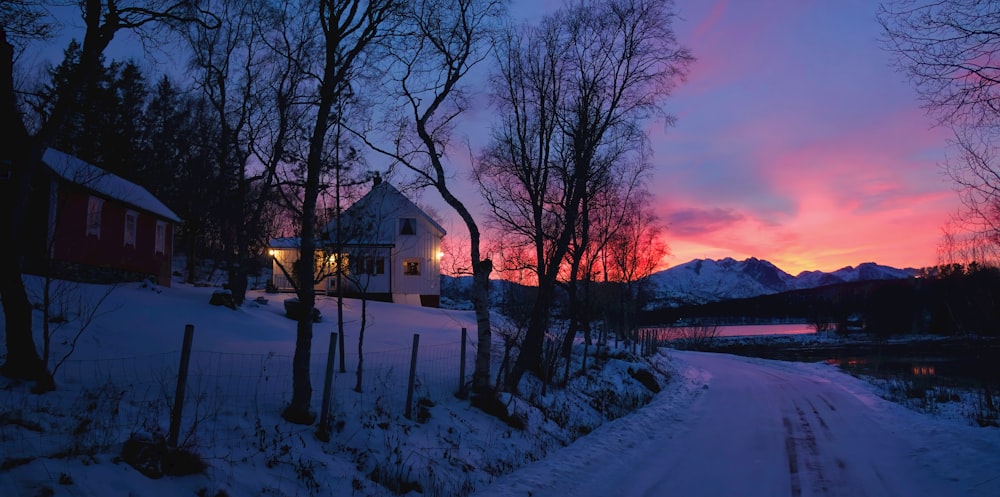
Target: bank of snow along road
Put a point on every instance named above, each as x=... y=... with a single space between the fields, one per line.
x=736 y=426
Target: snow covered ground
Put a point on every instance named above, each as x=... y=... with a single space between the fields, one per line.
x=721 y=426
x=768 y=428
x=121 y=378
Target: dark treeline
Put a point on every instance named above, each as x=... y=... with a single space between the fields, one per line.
x=152 y=132
x=947 y=300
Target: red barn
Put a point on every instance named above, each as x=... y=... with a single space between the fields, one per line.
x=97 y=226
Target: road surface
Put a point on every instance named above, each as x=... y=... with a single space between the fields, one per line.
x=756 y=428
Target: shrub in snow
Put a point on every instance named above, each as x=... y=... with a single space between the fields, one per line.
x=222 y=298
x=293 y=309
x=151 y=456
x=645 y=376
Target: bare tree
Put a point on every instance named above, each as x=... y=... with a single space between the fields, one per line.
x=445 y=40
x=249 y=89
x=26 y=20
x=948 y=48
x=21 y=155
x=347 y=31
x=573 y=93
x=67 y=305
x=635 y=251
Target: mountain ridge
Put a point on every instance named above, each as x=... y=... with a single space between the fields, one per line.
x=701 y=281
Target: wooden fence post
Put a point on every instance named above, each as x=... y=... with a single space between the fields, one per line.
x=323 y=432
x=413 y=377
x=182 y=373
x=462 y=393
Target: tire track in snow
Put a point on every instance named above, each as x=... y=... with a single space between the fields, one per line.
x=793 y=457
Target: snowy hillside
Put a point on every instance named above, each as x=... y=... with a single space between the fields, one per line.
x=118 y=386
x=707 y=280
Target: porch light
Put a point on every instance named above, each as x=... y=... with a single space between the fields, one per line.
x=440 y=254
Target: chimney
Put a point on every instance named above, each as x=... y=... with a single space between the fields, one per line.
x=376 y=180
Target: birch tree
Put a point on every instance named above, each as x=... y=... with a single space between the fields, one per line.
x=347 y=31
x=573 y=94
x=443 y=41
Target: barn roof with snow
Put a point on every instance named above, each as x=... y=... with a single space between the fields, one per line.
x=80 y=172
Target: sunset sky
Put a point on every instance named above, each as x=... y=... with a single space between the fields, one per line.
x=795 y=142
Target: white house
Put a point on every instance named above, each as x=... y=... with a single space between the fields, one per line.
x=390 y=250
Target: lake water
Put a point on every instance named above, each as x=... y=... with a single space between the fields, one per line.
x=701 y=333
x=765 y=329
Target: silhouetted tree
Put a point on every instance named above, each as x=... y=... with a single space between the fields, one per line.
x=948 y=49
x=344 y=32
x=180 y=143
x=572 y=94
x=444 y=40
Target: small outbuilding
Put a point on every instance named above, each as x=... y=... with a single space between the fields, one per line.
x=91 y=225
x=389 y=250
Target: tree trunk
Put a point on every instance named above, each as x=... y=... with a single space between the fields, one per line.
x=21 y=160
x=361 y=343
x=298 y=410
x=484 y=333
x=237 y=276
x=530 y=356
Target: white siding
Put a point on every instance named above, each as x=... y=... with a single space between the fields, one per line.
x=422 y=247
x=285 y=257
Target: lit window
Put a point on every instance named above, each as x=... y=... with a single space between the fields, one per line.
x=411 y=267
x=334 y=263
x=160 y=245
x=94 y=206
x=408 y=226
x=130 y=226
x=370 y=265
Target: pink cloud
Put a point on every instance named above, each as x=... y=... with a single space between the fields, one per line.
x=692 y=221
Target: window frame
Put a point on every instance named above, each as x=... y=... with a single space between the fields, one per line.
x=160 y=238
x=407 y=226
x=411 y=266
x=95 y=211
x=131 y=235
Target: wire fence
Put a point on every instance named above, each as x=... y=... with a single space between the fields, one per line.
x=101 y=403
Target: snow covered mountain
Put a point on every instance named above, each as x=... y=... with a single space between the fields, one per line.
x=708 y=280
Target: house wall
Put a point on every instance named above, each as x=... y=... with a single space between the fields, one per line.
x=72 y=244
x=422 y=247
x=354 y=284
x=283 y=257
x=370 y=283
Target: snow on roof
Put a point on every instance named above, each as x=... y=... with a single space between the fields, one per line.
x=382 y=203
x=85 y=174
x=285 y=243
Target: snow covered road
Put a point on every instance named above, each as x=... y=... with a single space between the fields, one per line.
x=765 y=428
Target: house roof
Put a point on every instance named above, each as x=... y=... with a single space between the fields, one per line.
x=285 y=243
x=382 y=202
x=89 y=176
